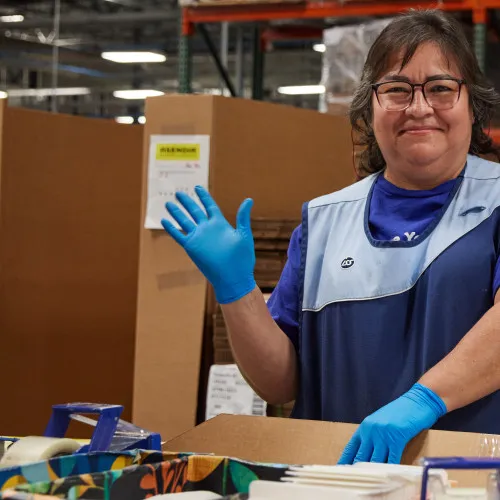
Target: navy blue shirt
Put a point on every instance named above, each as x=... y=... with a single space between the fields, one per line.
x=381 y=284
x=395 y=214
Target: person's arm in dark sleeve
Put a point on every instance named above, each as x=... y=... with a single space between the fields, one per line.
x=468 y=373
x=263 y=337
x=472 y=370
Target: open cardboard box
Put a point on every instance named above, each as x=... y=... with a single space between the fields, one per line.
x=290 y=441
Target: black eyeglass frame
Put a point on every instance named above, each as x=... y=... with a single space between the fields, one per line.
x=376 y=86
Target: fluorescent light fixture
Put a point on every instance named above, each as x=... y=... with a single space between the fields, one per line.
x=62 y=91
x=224 y=92
x=319 y=47
x=3 y=95
x=134 y=57
x=12 y=19
x=302 y=90
x=129 y=120
x=136 y=93
x=124 y=120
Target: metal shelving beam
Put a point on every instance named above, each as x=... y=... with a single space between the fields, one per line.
x=185 y=61
x=240 y=60
x=495 y=135
x=257 y=65
x=479 y=42
x=218 y=62
x=316 y=10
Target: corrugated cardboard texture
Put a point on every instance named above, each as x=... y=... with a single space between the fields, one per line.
x=290 y=441
x=69 y=246
x=278 y=155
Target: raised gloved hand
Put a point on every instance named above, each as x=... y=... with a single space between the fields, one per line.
x=383 y=436
x=225 y=255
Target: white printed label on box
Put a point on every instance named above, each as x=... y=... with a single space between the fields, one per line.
x=228 y=392
x=176 y=163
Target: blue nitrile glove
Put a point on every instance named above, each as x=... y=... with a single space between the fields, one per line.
x=383 y=436
x=225 y=255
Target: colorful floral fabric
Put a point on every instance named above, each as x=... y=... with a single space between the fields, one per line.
x=222 y=475
x=75 y=465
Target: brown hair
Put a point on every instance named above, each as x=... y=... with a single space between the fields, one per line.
x=407 y=32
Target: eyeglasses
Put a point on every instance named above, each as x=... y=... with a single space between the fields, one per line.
x=441 y=93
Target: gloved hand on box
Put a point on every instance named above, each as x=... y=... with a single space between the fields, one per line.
x=225 y=255
x=383 y=436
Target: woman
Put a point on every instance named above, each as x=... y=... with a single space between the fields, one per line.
x=387 y=312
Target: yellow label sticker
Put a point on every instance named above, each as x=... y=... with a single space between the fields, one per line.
x=178 y=152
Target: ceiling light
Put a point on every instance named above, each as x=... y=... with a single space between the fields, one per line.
x=224 y=92
x=63 y=91
x=136 y=94
x=302 y=90
x=319 y=47
x=142 y=120
x=12 y=19
x=3 y=95
x=124 y=120
x=134 y=57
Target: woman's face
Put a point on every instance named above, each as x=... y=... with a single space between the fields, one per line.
x=421 y=141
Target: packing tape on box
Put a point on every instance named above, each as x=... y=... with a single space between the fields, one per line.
x=37 y=448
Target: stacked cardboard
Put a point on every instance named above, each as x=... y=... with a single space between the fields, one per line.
x=223 y=356
x=272 y=237
x=222 y=350
x=268 y=267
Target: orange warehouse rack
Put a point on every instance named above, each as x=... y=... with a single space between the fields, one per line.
x=195 y=18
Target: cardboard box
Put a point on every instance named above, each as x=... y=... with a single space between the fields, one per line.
x=69 y=250
x=302 y=442
x=278 y=155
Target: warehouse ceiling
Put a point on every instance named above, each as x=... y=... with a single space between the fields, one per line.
x=90 y=27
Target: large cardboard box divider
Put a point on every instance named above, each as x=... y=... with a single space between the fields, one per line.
x=69 y=250
x=307 y=442
x=278 y=155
